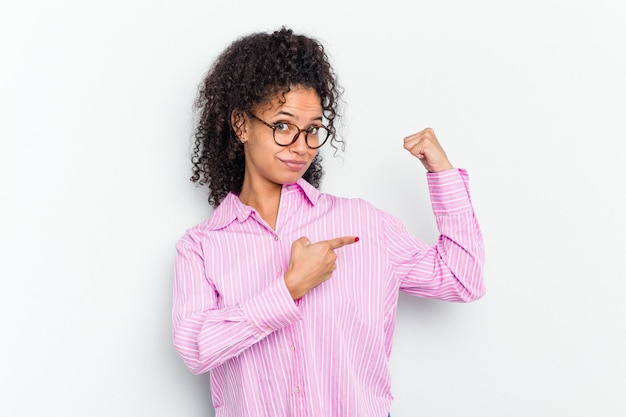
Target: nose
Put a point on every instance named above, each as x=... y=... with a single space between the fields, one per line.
x=299 y=146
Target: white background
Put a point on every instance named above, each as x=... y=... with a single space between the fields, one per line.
x=530 y=97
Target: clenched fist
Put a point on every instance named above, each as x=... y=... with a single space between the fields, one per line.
x=425 y=146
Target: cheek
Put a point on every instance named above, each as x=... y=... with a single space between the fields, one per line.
x=261 y=154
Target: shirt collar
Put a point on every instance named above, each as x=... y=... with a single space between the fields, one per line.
x=311 y=193
x=231 y=208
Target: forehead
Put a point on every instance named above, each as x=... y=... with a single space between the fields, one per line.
x=299 y=99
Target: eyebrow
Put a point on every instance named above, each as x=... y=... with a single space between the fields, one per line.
x=286 y=113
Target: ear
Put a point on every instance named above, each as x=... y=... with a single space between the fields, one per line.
x=238 y=123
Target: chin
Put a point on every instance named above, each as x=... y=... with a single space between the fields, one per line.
x=292 y=178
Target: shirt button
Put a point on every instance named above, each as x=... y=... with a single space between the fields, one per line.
x=284 y=205
x=275 y=237
x=279 y=270
x=297 y=390
x=292 y=348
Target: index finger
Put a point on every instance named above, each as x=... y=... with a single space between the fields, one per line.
x=339 y=242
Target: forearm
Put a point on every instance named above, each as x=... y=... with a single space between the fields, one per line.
x=452 y=269
x=460 y=245
x=460 y=257
x=209 y=337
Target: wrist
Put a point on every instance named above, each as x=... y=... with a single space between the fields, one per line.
x=293 y=286
x=440 y=168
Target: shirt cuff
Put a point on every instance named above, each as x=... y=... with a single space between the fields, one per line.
x=271 y=309
x=449 y=191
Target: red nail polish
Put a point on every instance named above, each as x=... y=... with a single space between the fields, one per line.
x=356 y=239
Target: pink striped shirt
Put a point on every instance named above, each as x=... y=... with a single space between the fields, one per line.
x=325 y=354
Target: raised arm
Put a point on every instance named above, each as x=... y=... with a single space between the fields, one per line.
x=452 y=269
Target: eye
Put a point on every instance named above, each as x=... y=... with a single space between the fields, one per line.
x=281 y=127
x=313 y=130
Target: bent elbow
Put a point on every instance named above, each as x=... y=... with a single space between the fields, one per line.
x=188 y=350
x=470 y=296
x=195 y=366
x=473 y=292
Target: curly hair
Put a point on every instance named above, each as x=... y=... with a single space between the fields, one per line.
x=253 y=70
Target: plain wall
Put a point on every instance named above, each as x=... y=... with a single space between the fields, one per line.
x=529 y=97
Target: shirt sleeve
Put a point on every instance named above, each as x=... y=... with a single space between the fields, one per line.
x=204 y=334
x=451 y=270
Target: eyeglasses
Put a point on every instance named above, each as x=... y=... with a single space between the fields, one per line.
x=286 y=133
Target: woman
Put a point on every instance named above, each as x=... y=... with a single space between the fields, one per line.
x=287 y=295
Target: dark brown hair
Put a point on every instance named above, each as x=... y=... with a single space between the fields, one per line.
x=253 y=70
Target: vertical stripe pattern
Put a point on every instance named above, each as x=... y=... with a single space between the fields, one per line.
x=326 y=354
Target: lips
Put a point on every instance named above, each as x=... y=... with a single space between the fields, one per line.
x=294 y=165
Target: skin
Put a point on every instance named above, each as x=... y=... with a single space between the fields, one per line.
x=425 y=147
x=270 y=166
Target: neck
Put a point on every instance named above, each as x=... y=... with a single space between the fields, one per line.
x=264 y=198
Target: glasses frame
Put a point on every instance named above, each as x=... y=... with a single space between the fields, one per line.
x=295 y=138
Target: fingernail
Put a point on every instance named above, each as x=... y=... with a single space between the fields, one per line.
x=356 y=239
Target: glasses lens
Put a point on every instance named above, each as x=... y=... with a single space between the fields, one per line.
x=286 y=133
x=317 y=136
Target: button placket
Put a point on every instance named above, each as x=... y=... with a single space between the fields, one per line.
x=297 y=371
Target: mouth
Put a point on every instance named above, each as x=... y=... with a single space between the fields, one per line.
x=294 y=165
